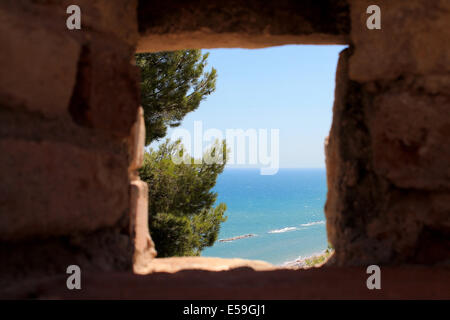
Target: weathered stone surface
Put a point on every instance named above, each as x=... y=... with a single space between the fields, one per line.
x=99 y=18
x=410 y=136
x=176 y=264
x=413 y=226
x=104 y=250
x=118 y=17
x=243 y=283
x=144 y=248
x=354 y=192
x=412 y=40
x=104 y=69
x=51 y=188
x=388 y=155
x=179 y=24
x=38 y=65
x=136 y=145
x=64 y=192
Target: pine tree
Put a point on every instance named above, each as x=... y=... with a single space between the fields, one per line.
x=172 y=84
x=182 y=218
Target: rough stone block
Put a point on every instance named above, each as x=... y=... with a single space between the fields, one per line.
x=54 y=188
x=117 y=17
x=413 y=39
x=38 y=65
x=388 y=163
x=410 y=139
x=137 y=144
x=106 y=95
x=144 y=248
x=180 y=24
x=107 y=249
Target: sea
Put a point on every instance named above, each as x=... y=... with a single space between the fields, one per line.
x=284 y=213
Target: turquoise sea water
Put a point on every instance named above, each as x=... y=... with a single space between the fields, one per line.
x=284 y=211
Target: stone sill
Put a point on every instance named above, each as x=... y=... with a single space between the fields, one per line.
x=176 y=264
x=400 y=282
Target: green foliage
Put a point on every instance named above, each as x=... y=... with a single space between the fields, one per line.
x=319 y=259
x=182 y=218
x=173 y=84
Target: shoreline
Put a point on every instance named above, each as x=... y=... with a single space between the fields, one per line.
x=309 y=261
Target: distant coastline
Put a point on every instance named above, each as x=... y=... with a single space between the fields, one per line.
x=311 y=261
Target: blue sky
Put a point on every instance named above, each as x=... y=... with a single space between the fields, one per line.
x=290 y=88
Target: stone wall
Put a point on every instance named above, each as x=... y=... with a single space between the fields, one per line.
x=388 y=154
x=71 y=131
x=69 y=115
